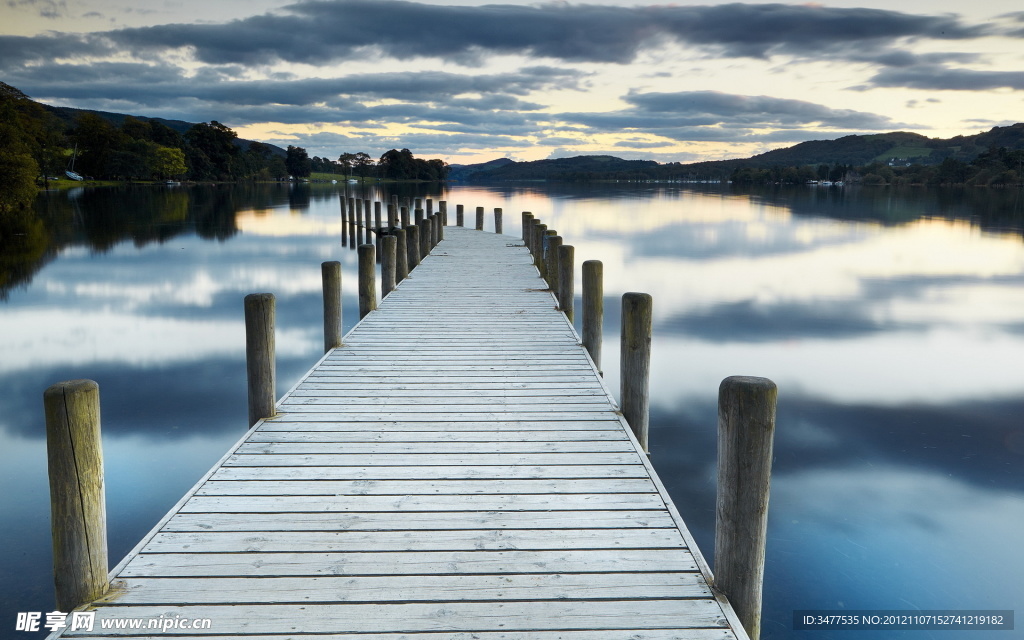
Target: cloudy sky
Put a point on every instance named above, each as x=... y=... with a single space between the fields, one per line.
x=470 y=81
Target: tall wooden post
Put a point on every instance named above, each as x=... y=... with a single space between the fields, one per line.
x=367 y=279
x=401 y=256
x=746 y=428
x=430 y=206
x=418 y=216
x=344 y=221
x=479 y=218
x=566 y=280
x=367 y=234
x=460 y=215
x=78 y=512
x=531 y=231
x=412 y=243
x=331 y=275
x=439 y=218
x=377 y=225
x=404 y=213
x=497 y=220
x=393 y=208
x=527 y=217
x=425 y=233
x=635 y=363
x=388 y=268
x=443 y=208
x=539 y=233
x=259 y=355
x=551 y=261
x=593 y=309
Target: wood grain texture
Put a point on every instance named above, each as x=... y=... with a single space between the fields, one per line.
x=456 y=470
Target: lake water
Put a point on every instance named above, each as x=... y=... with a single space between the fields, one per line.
x=892 y=322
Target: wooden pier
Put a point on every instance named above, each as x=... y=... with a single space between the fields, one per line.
x=455 y=470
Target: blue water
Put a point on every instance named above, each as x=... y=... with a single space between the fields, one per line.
x=892 y=322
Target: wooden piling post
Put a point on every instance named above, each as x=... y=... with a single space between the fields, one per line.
x=539 y=233
x=479 y=218
x=388 y=268
x=418 y=216
x=367 y=279
x=412 y=243
x=460 y=215
x=367 y=234
x=551 y=261
x=635 y=363
x=746 y=428
x=331 y=276
x=443 y=209
x=497 y=220
x=593 y=309
x=527 y=217
x=425 y=232
x=530 y=232
x=440 y=219
x=430 y=206
x=567 y=280
x=404 y=212
x=401 y=256
x=393 y=207
x=259 y=355
x=377 y=225
x=78 y=518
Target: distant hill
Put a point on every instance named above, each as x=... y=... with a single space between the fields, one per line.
x=68 y=115
x=858 y=150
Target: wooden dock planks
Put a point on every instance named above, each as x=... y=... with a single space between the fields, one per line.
x=456 y=470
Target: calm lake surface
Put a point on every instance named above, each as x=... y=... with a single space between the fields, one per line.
x=892 y=322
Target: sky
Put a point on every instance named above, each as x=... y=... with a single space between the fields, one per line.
x=469 y=81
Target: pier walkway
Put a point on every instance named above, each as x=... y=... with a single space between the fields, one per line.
x=457 y=470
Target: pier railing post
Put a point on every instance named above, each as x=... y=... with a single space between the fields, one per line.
x=388 y=254
x=412 y=242
x=746 y=427
x=527 y=218
x=566 y=280
x=497 y=220
x=401 y=256
x=593 y=309
x=635 y=363
x=259 y=355
x=404 y=214
x=442 y=207
x=331 y=275
x=78 y=518
x=367 y=279
x=539 y=233
x=551 y=261
x=442 y=219
x=425 y=235
x=479 y=218
x=460 y=215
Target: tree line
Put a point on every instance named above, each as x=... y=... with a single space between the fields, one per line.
x=36 y=145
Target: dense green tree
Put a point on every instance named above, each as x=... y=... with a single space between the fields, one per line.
x=297 y=162
x=213 y=153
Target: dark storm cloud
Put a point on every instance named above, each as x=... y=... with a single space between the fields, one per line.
x=19 y=50
x=321 y=32
x=944 y=78
x=712 y=115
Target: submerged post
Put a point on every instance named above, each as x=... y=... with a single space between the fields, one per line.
x=497 y=220
x=401 y=257
x=566 y=280
x=479 y=218
x=460 y=215
x=388 y=254
x=593 y=309
x=331 y=275
x=746 y=427
x=367 y=279
x=78 y=517
x=635 y=362
x=259 y=355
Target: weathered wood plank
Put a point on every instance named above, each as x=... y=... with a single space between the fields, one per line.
x=426 y=460
x=422 y=522
x=439 y=503
x=464 y=540
x=421 y=448
x=448 y=617
x=436 y=588
x=265 y=487
x=422 y=473
x=440 y=435
x=394 y=563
